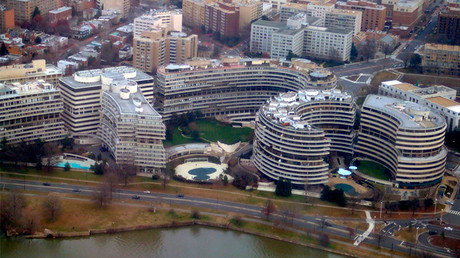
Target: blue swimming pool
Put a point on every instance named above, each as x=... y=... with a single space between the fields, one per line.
x=72 y=165
x=348 y=189
x=201 y=173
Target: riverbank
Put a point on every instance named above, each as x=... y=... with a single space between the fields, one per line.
x=82 y=218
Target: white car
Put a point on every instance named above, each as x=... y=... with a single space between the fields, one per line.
x=146 y=191
x=448 y=228
x=449 y=202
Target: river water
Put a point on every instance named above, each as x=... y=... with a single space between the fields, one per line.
x=190 y=242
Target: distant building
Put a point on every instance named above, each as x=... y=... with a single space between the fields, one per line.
x=407 y=138
x=407 y=13
x=60 y=14
x=440 y=99
x=171 y=20
x=373 y=17
x=121 y=6
x=344 y=19
x=131 y=129
x=328 y=43
x=158 y=47
x=449 y=23
x=30 y=111
x=441 y=59
x=290 y=9
x=6 y=19
x=37 y=70
x=193 y=12
x=223 y=18
x=23 y=9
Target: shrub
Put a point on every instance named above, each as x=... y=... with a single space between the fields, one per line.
x=67 y=166
x=237 y=221
x=195 y=214
x=155 y=177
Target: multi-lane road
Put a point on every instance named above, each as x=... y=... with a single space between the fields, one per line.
x=312 y=223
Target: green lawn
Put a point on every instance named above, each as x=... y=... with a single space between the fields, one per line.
x=372 y=169
x=55 y=172
x=212 y=131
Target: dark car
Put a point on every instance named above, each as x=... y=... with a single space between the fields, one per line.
x=180 y=195
x=77 y=190
x=46 y=184
x=136 y=197
x=431 y=233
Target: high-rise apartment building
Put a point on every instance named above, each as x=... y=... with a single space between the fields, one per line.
x=121 y=6
x=290 y=9
x=407 y=138
x=223 y=18
x=37 y=70
x=440 y=99
x=441 y=59
x=131 y=129
x=158 y=47
x=344 y=19
x=407 y=13
x=296 y=131
x=30 y=111
x=373 y=15
x=170 y=20
x=23 y=9
x=6 y=19
x=82 y=96
x=193 y=12
x=250 y=10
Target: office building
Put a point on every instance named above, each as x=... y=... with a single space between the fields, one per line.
x=290 y=9
x=440 y=99
x=407 y=13
x=405 y=137
x=373 y=15
x=441 y=59
x=37 y=70
x=193 y=12
x=158 y=47
x=82 y=96
x=157 y=19
x=223 y=18
x=296 y=131
x=30 y=111
x=233 y=88
x=130 y=128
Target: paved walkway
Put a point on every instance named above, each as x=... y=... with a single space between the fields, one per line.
x=371 y=223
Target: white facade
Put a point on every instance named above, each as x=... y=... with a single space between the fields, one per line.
x=321 y=42
x=261 y=35
x=440 y=99
x=172 y=20
x=284 y=41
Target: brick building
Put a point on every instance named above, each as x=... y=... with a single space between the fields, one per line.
x=6 y=19
x=223 y=18
x=60 y=14
x=449 y=23
x=373 y=17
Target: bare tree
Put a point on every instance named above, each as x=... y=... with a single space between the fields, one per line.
x=101 y=195
x=387 y=50
x=334 y=55
x=367 y=50
x=127 y=171
x=305 y=187
x=405 y=57
x=11 y=207
x=324 y=240
x=353 y=202
x=269 y=208
x=51 y=207
x=111 y=178
x=351 y=232
x=51 y=150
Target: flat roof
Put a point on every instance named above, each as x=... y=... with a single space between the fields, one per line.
x=273 y=24
x=443 y=101
x=127 y=106
x=442 y=47
x=402 y=110
x=405 y=86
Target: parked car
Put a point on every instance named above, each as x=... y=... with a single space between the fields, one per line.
x=448 y=228
x=450 y=202
x=136 y=197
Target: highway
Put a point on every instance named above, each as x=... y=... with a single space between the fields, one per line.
x=308 y=223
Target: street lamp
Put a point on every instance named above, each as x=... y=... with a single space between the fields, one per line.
x=416 y=236
x=435 y=203
x=441 y=215
x=381 y=206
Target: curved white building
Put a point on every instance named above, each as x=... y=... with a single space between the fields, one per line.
x=131 y=129
x=296 y=131
x=405 y=137
x=232 y=87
